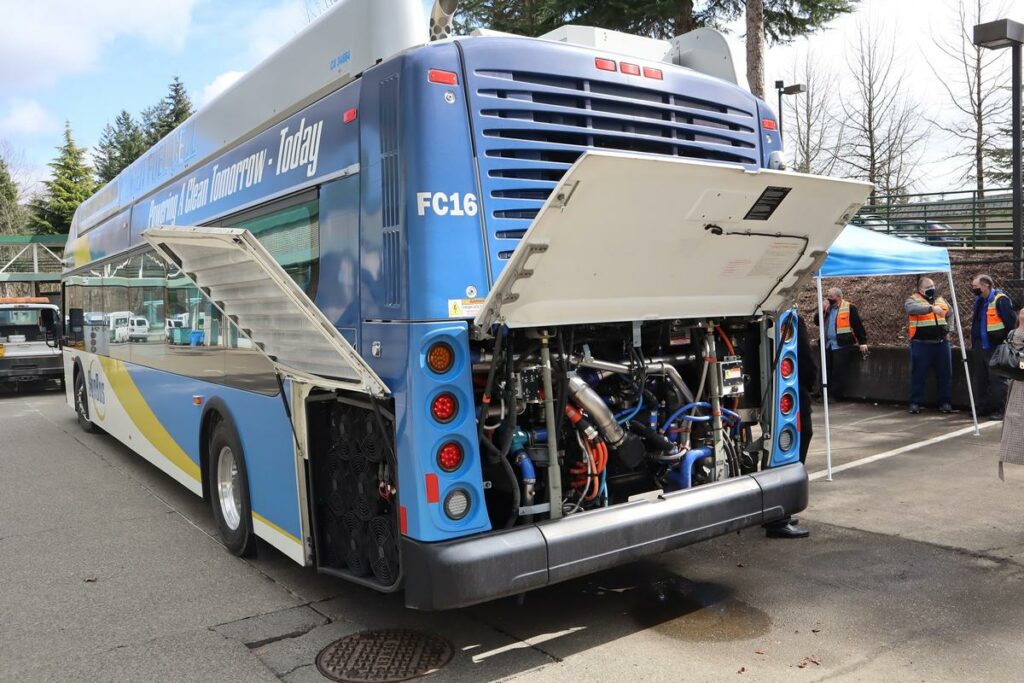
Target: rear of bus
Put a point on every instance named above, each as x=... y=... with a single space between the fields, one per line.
x=618 y=379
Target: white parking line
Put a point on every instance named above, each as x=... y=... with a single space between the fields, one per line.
x=821 y=474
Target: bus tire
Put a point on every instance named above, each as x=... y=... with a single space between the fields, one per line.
x=82 y=405
x=229 y=491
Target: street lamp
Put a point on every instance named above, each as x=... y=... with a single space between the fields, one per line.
x=784 y=89
x=996 y=35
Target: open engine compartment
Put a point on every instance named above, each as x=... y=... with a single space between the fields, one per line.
x=634 y=408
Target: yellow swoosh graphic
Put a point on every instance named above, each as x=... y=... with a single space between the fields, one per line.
x=144 y=418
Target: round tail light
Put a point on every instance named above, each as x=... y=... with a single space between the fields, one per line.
x=449 y=456
x=444 y=407
x=440 y=357
x=786 y=403
x=456 y=504
x=786 y=439
x=787 y=367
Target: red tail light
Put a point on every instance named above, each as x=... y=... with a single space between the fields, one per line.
x=444 y=407
x=605 y=64
x=769 y=124
x=631 y=69
x=786 y=403
x=651 y=72
x=787 y=367
x=442 y=77
x=350 y=115
x=449 y=456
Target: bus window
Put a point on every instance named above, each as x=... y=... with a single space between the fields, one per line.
x=292 y=236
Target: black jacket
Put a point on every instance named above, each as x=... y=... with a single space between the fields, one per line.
x=806 y=362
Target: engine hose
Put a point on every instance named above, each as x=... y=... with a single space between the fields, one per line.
x=656 y=440
x=486 y=398
x=514 y=481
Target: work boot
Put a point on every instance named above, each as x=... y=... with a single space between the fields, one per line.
x=914 y=409
x=945 y=408
x=785 y=528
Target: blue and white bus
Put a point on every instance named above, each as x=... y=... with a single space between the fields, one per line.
x=465 y=317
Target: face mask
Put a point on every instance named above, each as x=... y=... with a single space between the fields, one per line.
x=833 y=301
x=976 y=290
x=929 y=293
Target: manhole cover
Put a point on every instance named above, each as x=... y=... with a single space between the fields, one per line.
x=384 y=656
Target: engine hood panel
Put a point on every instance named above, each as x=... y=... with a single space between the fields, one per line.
x=628 y=237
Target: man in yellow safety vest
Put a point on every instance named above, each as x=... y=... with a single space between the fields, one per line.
x=928 y=326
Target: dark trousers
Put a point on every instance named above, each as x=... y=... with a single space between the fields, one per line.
x=806 y=426
x=837 y=364
x=926 y=357
x=989 y=389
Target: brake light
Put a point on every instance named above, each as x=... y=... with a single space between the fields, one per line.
x=604 y=64
x=350 y=115
x=442 y=77
x=786 y=403
x=769 y=124
x=651 y=72
x=631 y=69
x=440 y=357
x=445 y=407
x=449 y=456
x=787 y=367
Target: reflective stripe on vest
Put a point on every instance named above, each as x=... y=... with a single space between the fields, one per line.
x=843 y=319
x=993 y=322
x=930 y=319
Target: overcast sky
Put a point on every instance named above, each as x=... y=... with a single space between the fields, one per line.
x=84 y=61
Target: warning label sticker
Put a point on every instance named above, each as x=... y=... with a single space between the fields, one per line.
x=462 y=308
x=776 y=259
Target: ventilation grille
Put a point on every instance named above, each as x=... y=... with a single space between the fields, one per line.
x=389 y=160
x=532 y=127
x=391 y=267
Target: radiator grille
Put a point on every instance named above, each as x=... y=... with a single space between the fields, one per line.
x=531 y=127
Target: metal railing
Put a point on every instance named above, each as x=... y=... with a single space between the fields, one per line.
x=961 y=218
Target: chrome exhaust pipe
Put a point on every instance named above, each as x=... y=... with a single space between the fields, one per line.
x=441 y=17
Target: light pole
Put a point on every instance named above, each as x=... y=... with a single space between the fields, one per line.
x=996 y=35
x=784 y=89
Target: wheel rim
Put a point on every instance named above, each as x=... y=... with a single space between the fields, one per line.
x=228 y=489
x=83 y=413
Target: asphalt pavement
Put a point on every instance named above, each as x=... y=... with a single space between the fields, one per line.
x=109 y=570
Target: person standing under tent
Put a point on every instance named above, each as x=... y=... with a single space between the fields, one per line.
x=993 y=318
x=807 y=373
x=928 y=327
x=844 y=334
x=1011 y=445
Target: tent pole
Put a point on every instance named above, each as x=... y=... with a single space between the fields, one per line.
x=963 y=353
x=824 y=379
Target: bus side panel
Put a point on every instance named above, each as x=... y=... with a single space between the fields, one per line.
x=422 y=485
x=337 y=293
x=152 y=412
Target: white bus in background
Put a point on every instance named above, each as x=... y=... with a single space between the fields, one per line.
x=29 y=329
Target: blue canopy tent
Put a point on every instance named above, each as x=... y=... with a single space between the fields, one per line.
x=859 y=252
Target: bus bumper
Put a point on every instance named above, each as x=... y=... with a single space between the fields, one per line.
x=466 y=571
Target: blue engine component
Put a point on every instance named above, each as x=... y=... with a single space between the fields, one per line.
x=681 y=476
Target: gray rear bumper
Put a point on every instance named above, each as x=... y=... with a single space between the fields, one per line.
x=27 y=368
x=466 y=571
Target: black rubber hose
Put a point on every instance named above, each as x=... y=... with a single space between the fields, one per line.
x=490 y=383
x=516 y=496
x=651 y=437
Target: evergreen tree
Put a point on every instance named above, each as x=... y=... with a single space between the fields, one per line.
x=11 y=213
x=167 y=114
x=70 y=184
x=119 y=146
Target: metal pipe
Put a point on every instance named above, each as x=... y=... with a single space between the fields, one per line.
x=1015 y=179
x=554 y=471
x=716 y=405
x=441 y=19
x=600 y=414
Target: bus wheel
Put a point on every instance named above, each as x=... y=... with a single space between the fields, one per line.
x=229 y=488
x=82 y=405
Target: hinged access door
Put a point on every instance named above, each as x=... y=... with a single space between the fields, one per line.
x=245 y=282
x=631 y=237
